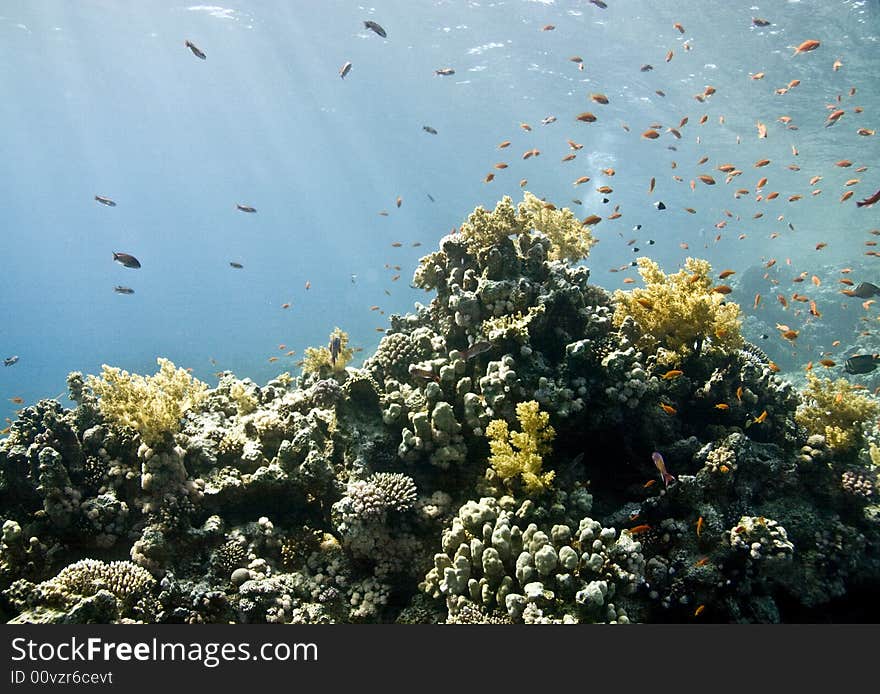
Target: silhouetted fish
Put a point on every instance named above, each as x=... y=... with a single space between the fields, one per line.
x=866 y=290
x=345 y=69
x=105 y=201
x=9 y=361
x=119 y=289
x=245 y=208
x=237 y=266
x=126 y=260
x=195 y=49
x=429 y=129
x=370 y=24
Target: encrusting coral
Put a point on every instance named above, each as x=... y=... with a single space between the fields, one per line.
x=836 y=410
x=521 y=453
x=681 y=314
x=151 y=405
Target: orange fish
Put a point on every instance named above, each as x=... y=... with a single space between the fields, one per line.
x=650 y=134
x=762 y=129
x=679 y=27
x=489 y=178
x=671 y=374
x=827 y=363
x=708 y=180
x=668 y=409
x=649 y=483
x=586 y=117
x=815 y=280
x=806 y=47
x=501 y=165
x=739 y=393
x=700 y=609
x=726 y=273
x=774 y=367
x=814 y=311
x=761 y=418
x=599 y=98
x=761 y=162
x=722 y=289
x=16 y=400
x=504 y=144
x=526 y=127
x=639 y=529
x=757 y=300
x=669 y=56
x=702 y=561
x=285 y=305
x=722 y=406
x=700 y=524
x=582 y=179
x=790 y=335
x=574 y=145
x=651 y=185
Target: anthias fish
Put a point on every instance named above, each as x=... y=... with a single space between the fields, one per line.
x=661 y=466
x=126 y=260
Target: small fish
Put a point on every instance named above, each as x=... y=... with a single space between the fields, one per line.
x=237 y=266
x=586 y=117
x=761 y=418
x=423 y=373
x=195 y=49
x=726 y=273
x=598 y=3
x=757 y=301
x=759 y=22
x=700 y=609
x=126 y=260
x=659 y=205
x=649 y=483
x=9 y=361
x=119 y=289
x=345 y=69
x=671 y=374
x=285 y=305
x=245 y=208
x=399 y=201
x=702 y=561
x=335 y=348
x=599 y=98
x=639 y=529
x=857 y=364
x=661 y=466
x=700 y=524
x=827 y=363
x=807 y=46
x=105 y=201
x=370 y=24
x=16 y=400
x=722 y=406
x=444 y=71
x=722 y=289
x=548 y=27
x=476 y=349
x=429 y=129
x=308 y=284
x=646 y=67
x=668 y=409
x=650 y=134
x=679 y=27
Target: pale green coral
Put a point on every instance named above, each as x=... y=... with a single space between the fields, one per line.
x=679 y=314
x=244 y=399
x=515 y=326
x=151 y=405
x=520 y=453
x=484 y=229
x=316 y=359
x=836 y=410
x=570 y=239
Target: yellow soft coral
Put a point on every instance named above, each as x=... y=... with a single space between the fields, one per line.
x=511 y=326
x=530 y=445
x=676 y=313
x=316 y=359
x=570 y=240
x=484 y=229
x=151 y=405
x=836 y=410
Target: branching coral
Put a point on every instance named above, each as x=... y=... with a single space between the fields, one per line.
x=484 y=229
x=151 y=405
x=836 y=410
x=570 y=239
x=679 y=314
x=317 y=358
x=520 y=453
x=511 y=326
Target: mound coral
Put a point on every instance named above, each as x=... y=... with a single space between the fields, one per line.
x=530 y=445
x=316 y=359
x=679 y=315
x=836 y=410
x=151 y=405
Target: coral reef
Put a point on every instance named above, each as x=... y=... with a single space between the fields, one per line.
x=422 y=486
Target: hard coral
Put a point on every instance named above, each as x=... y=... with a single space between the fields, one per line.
x=151 y=405
x=679 y=315
x=570 y=239
x=531 y=444
x=836 y=410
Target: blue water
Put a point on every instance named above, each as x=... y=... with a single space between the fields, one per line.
x=103 y=98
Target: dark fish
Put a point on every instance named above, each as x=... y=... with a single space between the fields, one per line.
x=335 y=348
x=599 y=3
x=476 y=349
x=9 y=361
x=237 y=266
x=345 y=69
x=370 y=24
x=865 y=290
x=758 y=22
x=105 y=201
x=126 y=260
x=424 y=373
x=195 y=49
x=659 y=205
x=646 y=67
x=444 y=71
x=119 y=289
x=429 y=129
x=861 y=363
x=430 y=197
x=867 y=202
x=245 y=208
